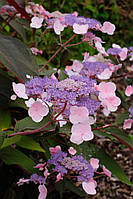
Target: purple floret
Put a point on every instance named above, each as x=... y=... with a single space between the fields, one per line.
x=37 y=179
x=114 y=51
x=93 y=68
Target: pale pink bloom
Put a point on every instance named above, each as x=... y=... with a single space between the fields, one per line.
x=115 y=46
x=123 y=54
x=53 y=76
x=105 y=111
x=86 y=56
x=77 y=66
x=28 y=76
x=106 y=89
x=75 y=13
x=22 y=181
x=78 y=114
x=91 y=120
x=58 y=177
x=127 y=124
x=100 y=48
x=68 y=68
x=29 y=10
x=35 y=51
x=36 y=22
x=80 y=29
x=106 y=74
x=106 y=171
x=40 y=166
x=94 y=163
x=13 y=97
x=58 y=27
x=132 y=67
x=72 y=151
x=81 y=132
x=111 y=103
x=43 y=192
x=129 y=90
x=113 y=67
x=37 y=111
x=108 y=28
x=29 y=102
x=54 y=149
x=89 y=187
x=96 y=87
x=71 y=73
x=19 y=90
x=98 y=27
x=46 y=173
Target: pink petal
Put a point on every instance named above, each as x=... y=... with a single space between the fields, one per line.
x=108 y=28
x=77 y=66
x=43 y=192
x=72 y=151
x=46 y=173
x=58 y=177
x=58 y=27
x=36 y=22
x=123 y=54
x=106 y=171
x=54 y=149
x=37 y=111
x=89 y=187
x=129 y=90
x=127 y=124
x=106 y=74
x=80 y=29
x=78 y=114
x=19 y=90
x=94 y=163
x=81 y=132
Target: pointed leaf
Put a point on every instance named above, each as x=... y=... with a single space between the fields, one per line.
x=17 y=57
x=28 y=143
x=121 y=134
x=10 y=141
x=27 y=124
x=13 y=156
x=5 y=119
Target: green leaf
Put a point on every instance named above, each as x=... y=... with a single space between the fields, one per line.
x=13 y=156
x=120 y=119
x=89 y=149
x=121 y=134
x=18 y=103
x=5 y=89
x=28 y=124
x=28 y=143
x=2 y=136
x=5 y=119
x=102 y=134
x=10 y=141
x=17 y=57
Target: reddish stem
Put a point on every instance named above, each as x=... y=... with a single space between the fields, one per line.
x=19 y=9
x=123 y=142
x=41 y=128
x=32 y=131
x=62 y=46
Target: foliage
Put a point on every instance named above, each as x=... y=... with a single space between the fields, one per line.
x=50 y=115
